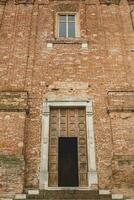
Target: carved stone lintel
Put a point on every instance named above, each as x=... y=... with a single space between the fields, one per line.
x=64 y=7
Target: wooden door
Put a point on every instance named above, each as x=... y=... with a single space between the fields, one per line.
x=69 y=123
x=67 y=162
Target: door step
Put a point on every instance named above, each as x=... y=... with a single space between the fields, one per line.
x=67 y=195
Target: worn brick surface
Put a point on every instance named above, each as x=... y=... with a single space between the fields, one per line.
x=13 y=107
x=66 y=71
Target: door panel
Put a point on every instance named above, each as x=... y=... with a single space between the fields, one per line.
x=68 y=162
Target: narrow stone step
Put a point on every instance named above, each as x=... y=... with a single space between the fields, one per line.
x=65 y=194
x=57 y=192
x=73 y=198
x=68 y=194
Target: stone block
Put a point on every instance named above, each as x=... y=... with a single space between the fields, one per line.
x=117 y=196
x=103 y=192
x=33 y=192
x=20 y=196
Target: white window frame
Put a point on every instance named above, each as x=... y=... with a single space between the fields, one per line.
x=77 y=24
x=92 y=171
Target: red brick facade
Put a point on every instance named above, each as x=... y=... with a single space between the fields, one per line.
x=31 y=72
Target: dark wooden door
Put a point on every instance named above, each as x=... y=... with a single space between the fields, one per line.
x=67 y=162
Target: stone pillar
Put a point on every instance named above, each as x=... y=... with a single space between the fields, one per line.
x=92 y=173
x=44 y=148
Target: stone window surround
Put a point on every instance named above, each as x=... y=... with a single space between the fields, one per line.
x=77 y=24
x=92 y=173
x=67 y=40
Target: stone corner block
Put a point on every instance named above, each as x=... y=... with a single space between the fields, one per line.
x=20 y=196
x=117 y=196
x=84 y=45
x=104 y=192
x=33 y=192
x=49 y=45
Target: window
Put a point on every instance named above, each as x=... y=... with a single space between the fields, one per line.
x=67 y=25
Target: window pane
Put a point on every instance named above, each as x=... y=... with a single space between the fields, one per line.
x=62 y=29
x=71 y=29
x=62 y=18
x=71 y=18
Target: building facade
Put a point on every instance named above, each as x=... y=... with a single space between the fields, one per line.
x=66 y=95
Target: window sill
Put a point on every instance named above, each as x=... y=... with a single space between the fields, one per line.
x=83 y=43
x=67 y=41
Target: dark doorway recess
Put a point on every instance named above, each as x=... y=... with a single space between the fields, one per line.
x=67 y=162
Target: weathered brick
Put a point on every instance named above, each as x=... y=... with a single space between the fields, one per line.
x=31 y=73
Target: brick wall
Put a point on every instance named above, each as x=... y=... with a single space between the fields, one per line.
x=121 y=106
x=13 y=107
x=65 y=71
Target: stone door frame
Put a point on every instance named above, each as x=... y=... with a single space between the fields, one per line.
x=92 y=172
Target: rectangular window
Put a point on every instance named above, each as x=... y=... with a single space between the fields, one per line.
x=67 y=25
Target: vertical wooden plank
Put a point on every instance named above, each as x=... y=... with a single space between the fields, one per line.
x=83 y=180
x=82 y=148
x=63 y=122
x=53 y=147
x=72 y=122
